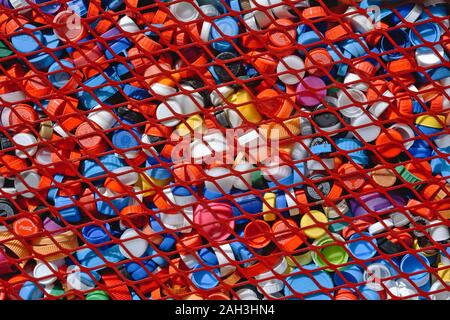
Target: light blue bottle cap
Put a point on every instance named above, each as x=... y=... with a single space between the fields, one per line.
x=26 y=43
x=303 y=284
x=363 y=249
x=89 y=258
x=228 y=27
x=205 y=279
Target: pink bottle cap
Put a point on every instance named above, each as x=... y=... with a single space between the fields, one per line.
x=215 y=219
x=310 y=91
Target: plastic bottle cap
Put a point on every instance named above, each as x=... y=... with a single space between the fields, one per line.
x=290 y=69
x=133 y=248
x=184 y=11
x=347 y=101
x=310 y=91
x=24 y=140
x=310 y=224
x=45 y=272
x=257 y=233
x=384 y=177
x=286 y=235
x=169 y=109
x=215 y=220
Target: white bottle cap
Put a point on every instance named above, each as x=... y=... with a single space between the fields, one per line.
x=363 y=128
x=273 y=170
x=400 y=219
x=217 y=95
x=438 y=231
x=400 y=288
x=243 y=180
x=24 y=139
x=59 y=130
x=6 y=112
x=12 y=97
x=250 y=21
x=379 y=227
x=206 y=30
x=406 y=132
x=126 y=175
x=169 y=109
x=350 y=101
x=234 y=117
x=379 y=107
x=44 y=156
x=290 y=69
x=103 y=118
x=184 y=11
x=45 y=272
x=26 y=180
x=133 y=248
x=428 y=57
x=352 y=80
x=225 y=257
x=189 y=260
x=216 y=141
x=159 y=89
x=199 y=151
x=444 y=294
x=75 y=281
x=442 y=141
x=262 y=14
x=128 y=25
x=246 y=294
x=374 y=275
x=323 y=164
x=225 y=183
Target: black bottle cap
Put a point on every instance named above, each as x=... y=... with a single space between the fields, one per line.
x=234 y=67
x=324 y=187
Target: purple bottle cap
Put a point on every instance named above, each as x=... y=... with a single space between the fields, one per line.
x=310 y=91
x=6 y=4
x=51 y=225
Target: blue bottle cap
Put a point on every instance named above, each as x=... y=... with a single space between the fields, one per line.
x=30 y=291
x=363 y=249
x=112 y=209
x=26 y=43
x=208 y=257
x=368 y=294
x=138 y=272
x=415 y=265
x=348 y=274
x=205 y=279
x=117 y=47
x=124 y=139
x=303 y=284
x=309 y=38
x=168 y=243
x=240 y=251
x=96 y=234
x=399 y=39
x=50 y=8
x=70 y=214
x=228 y=27
x=60 y=79
x=403 y=10
x=429 y=32
x=249 y=203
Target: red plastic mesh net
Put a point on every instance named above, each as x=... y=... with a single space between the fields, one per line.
x=167 y=51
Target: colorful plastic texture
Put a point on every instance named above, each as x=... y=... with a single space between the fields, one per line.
x=224 y=150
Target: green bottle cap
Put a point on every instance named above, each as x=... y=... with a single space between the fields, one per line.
x=97 y=295
x=4 y=50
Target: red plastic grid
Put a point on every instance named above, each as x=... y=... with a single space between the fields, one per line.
x=162 y=284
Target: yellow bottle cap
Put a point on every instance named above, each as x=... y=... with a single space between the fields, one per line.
x=431 y=121
x=243 y=101
x=270 y=198
x=193 y=124
x=311 y=221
